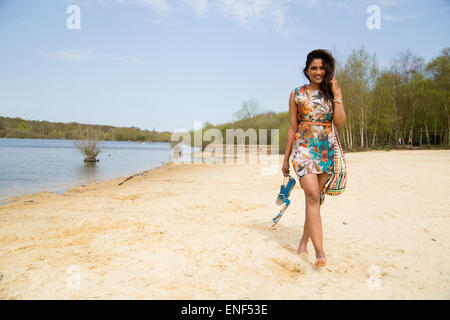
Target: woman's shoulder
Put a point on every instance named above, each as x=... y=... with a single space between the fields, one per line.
x=300 y=89
x=299 y=94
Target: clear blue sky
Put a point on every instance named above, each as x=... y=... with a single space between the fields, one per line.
x=164 y=63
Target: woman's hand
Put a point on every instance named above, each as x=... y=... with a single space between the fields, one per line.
x=335 y=88
x=339 y=116
x=285 y=168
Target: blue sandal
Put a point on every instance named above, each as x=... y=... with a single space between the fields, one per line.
x=283 y=197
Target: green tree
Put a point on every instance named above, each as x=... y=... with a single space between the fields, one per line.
x=438 y=69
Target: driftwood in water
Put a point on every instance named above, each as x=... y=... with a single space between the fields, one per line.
x=134 y=175
x=126 y=179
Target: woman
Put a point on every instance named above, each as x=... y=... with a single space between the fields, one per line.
x=310 y=142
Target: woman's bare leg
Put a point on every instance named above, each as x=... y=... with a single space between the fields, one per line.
x=313 y=184
x=305 y=237
x=302 y=247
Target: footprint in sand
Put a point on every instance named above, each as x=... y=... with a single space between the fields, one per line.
x=129 y=197
x=287 y=267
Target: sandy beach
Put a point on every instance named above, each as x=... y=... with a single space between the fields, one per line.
x=203 y=231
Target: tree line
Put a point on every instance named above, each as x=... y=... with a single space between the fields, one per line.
x=20 y=128
x=407 y=103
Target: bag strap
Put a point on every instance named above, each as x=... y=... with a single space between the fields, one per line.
x=339 y=152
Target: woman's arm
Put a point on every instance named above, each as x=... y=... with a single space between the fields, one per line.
x=293 y=123
x=339 y=116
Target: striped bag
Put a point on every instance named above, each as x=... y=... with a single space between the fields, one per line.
x=337 y=182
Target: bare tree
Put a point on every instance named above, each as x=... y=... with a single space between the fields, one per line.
x=88 y=147
x=361 y=70
x=407 y=64
x=248 y=110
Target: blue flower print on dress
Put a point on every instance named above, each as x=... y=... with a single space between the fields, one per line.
x=315 y=147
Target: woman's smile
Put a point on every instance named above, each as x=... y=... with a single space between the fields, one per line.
x=318 y=77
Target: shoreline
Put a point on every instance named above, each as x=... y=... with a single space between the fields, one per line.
x=192 y=154
x=52 y=170
x=70 y=186
x=66 y=189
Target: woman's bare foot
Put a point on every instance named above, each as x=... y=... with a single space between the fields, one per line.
x=321 y=260
x=302 y=247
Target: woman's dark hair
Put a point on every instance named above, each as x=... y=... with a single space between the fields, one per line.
x=328 y=63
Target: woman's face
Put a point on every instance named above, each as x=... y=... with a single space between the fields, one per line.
x=316 y=71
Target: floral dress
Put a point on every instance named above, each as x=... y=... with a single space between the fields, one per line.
x=313 y=146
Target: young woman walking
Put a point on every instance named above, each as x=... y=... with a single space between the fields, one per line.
x=312 y=108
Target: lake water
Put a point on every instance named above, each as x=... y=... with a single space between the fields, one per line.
x=32 y=165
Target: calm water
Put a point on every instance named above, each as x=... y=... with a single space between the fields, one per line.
x=32 y=165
